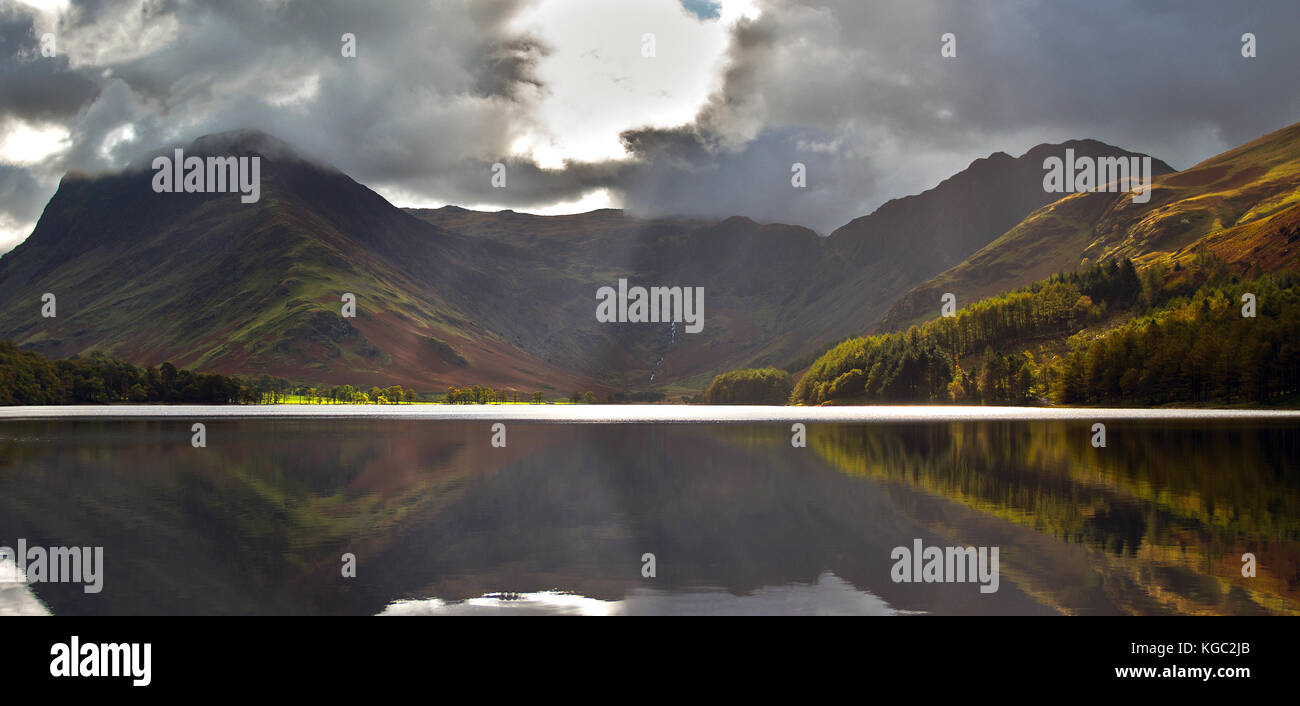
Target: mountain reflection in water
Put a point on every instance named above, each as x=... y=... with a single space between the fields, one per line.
x=441 y=522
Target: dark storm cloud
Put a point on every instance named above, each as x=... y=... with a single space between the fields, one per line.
x=33 y=87
x=434 y=86
x=1163 y=78
x=506 y=68
x=682 y=146
x=855 y=91
x=754 y=181
x=19 y=193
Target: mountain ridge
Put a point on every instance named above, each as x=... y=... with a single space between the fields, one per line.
x=1232 y=203
x=450 y=296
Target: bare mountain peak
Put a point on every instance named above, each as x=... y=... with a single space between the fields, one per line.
x=1089 y=147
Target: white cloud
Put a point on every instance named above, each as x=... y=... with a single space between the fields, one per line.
x=117 y=137
x=28 y=144
x=124 y=32
x=597 y=81
x=13 y=232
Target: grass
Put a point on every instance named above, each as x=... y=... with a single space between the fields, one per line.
x=304 y=400
x=1233 y=204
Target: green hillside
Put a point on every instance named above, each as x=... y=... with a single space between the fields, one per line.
x=1103 y=335
x=452 y=297
x=1240 y=206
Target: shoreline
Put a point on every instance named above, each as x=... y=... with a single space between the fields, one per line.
x=653 y=413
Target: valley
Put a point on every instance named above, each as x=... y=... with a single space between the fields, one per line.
x=453 y=297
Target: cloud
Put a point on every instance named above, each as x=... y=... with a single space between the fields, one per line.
x=20 y=204
x=434 y=87
x=1163 y=78
x=439 y=91
x=34 y=88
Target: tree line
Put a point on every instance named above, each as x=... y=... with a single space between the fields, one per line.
x=750 y=386
x=1182 y=339
x=1197 y=349
x=28 y=378
x=274 y=393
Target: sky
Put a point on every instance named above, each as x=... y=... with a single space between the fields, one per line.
x=662 y=107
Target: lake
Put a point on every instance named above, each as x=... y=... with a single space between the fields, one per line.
x=563 y=518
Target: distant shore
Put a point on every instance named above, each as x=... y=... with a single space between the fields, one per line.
x=630 y=413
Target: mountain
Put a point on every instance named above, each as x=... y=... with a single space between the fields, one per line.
x=942 y=226
x=781 y=290
x=756 y=278
x=205 y=281
x=1240 y=205
x=451 y=296
x=910 y=239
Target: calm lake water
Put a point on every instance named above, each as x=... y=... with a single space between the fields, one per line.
x=738 y=520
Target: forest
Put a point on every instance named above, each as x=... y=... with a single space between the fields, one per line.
x=1102 y=335
x=750 y=386
x=28 y=378
x=1195 y=334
